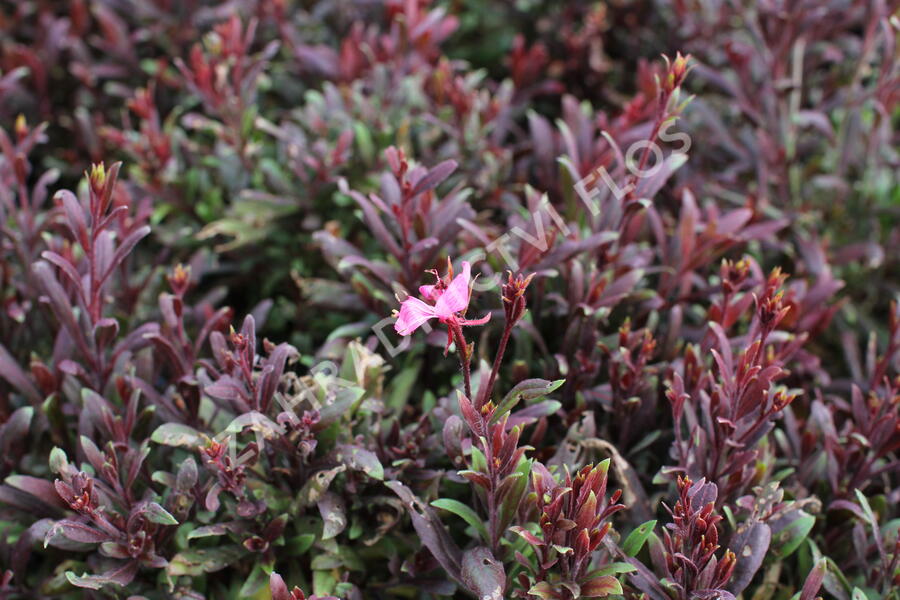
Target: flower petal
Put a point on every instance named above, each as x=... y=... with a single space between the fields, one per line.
x=456 y=297
x=413 y=312
x=429 y=292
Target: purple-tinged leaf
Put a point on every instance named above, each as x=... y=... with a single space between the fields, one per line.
x=269 y=382
x=75 y=217
x=530 y=414
x=477 y=478
x=77 y=532
x=187 y=475
x=206 y=560
x=814 y=580
x=431 y=531
x=277 y=587
x=334 y=515
x=136 y=339
x=471 y=416
x=600 y=587
x=227 y=387
x=434 y=177
x=167 y=350
x=248 y=330
x=657 y=176
x=452 y=434
x=105 y=332
x=67 y=269
x=57 y=299
x=543 y=590
x=236 y=527
x=41 y=506
x=119 y=577
x=124 y=249
x=212 y=501
x=93 y=454
x=527 y=536
x=377 y=226
x=41 y=489
x=750 y=544
x=428 y=243
x=482 y=574
x=847 y=505
x=116 y=211
x=14 y=432
x=360 y=459
x=11 y=372
x=114 y=550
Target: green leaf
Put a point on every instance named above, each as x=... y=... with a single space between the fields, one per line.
x=326 y=562
x=542 y=590
x=834 y=578
x=360 y=459
x=794 y=534
x=510 y=505
x=323 y=582
x=600 y=587
x=616 y=568
x=479 y=462
x=401 y=387
x=317 y=485
x=301 y=543
x=364 y=141
x=120 y=576
x=464 y=512
x=645 y=442
x=637 y=538
x=176 y=434
x=858 y=594
x=257 y=579
x=206 y=560
x=530 y=389
x=215 y=530
x=729 y=516
x=342 y=404
x=157 y=514
x=58 y=460
x=867 y=509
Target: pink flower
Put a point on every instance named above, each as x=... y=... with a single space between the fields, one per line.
x=450 y=303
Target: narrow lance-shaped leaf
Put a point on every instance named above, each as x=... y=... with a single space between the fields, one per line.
x=11 y=372
x=529 y=389
x=750 y=545
x=121 y=577
x=155 y=513
x=814 y=580
x=124 y=249
x=637 y=538
x=464 y=512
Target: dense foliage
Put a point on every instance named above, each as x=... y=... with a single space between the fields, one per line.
x=433 y=299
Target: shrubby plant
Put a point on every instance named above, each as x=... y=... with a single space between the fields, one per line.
x=420 y=299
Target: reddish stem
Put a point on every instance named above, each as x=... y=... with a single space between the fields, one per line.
x=485 y=395
x=464 y=359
